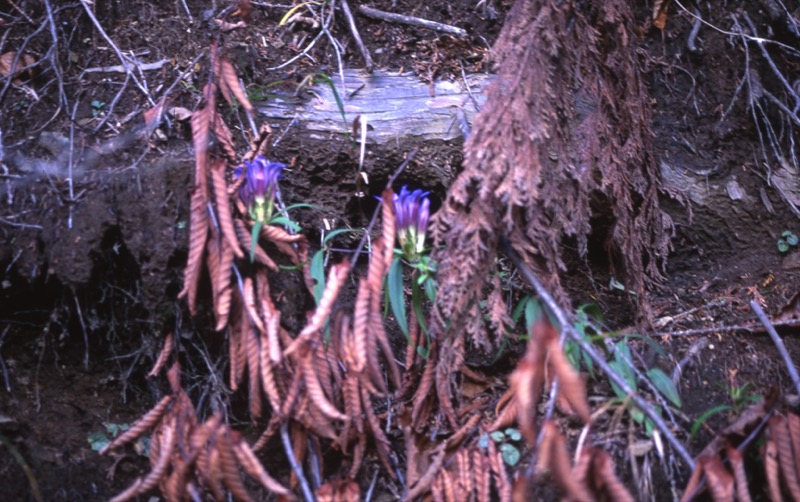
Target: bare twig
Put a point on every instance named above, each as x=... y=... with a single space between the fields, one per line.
x=690 y=43
x=298 y=471
x=351 y=23
x=570 y=331
x=125 y=62
x=122 y=69
x=778 y=343
x=411 y=20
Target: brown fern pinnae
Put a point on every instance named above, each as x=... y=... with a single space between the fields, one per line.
x=253 y=467
x=336 y=277
x=147 y=422
x=425 y=481
x=423 y=389
x=246 y=241
x=198 y=233
x=276 y=234
x=498 y=468
x=772 y=469
x=151 y=480
x=230 y=469
x=613 y=489
x=448 y=487
x=358 y=455
x=315 y=391
x=388 y=219
x=237 y=359
x=250 y=306
x=466 y=473
x=739 y=475
x=788 y=459
x=163 y=356
x=224 y=138
x=339 y=491
x=224 y=294
x=272 y=318
x=720 y=481
x=268 y=379
x=382 y=444
x=468 y=428
x=558 y=464
x=223 y=206
x=571 y=386
x=230 y=85
x=483 y=476
x=360 y=327
x=253 y=350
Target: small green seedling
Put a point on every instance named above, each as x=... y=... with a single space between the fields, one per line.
x=99 y=440
x=503 y=439
x=97 y=107
x=787 y=241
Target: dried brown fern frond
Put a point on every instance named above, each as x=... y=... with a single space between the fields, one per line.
x=543 y=357
x=189 y=458
x=230 y=85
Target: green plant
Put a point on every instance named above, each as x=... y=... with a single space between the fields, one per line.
x=412 y=210
x=99 y=440
x=504 y=440
x=97 y=107
x=740 y=397
x=787 y=241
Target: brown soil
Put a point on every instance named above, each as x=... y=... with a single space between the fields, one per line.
x=90 y=271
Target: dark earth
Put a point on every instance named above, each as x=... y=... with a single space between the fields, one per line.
x=90 y=269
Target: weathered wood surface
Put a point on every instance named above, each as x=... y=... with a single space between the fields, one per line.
x=395 y=105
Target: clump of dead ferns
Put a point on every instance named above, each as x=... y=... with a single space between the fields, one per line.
x=329 y=382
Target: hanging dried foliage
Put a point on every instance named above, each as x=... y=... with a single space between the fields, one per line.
x=189 y=457
x=560 y=151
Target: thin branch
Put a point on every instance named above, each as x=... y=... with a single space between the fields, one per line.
x=351 y=23
x=778 y=343
x=298 y=471
x=567 y=327
x=411 y=20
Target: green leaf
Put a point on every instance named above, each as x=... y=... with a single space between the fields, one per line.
x=636 y=414
x=622 y=354
x=98 y=441
x=782 y=246
x=333 y=233
x=791 y=239
x=649 y=341
x=533 y=312
x=326 y=79
x=300 y=205
x=704 y=417
x=590 y=311
x=510 y=454
x=416 y=302
x=483 y=441
x=318 y=274
x=394 y=287
x=254 y=240
x=618 y=367
x=664 y=385
x=497 y=436
x=648 y=427
x=513 y=434
x=283 y=220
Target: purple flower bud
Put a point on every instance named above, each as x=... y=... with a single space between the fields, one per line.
x=413 y=212
x=258 y=191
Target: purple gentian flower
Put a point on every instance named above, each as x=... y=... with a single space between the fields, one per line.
x=259 y=189
x=413 y=211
